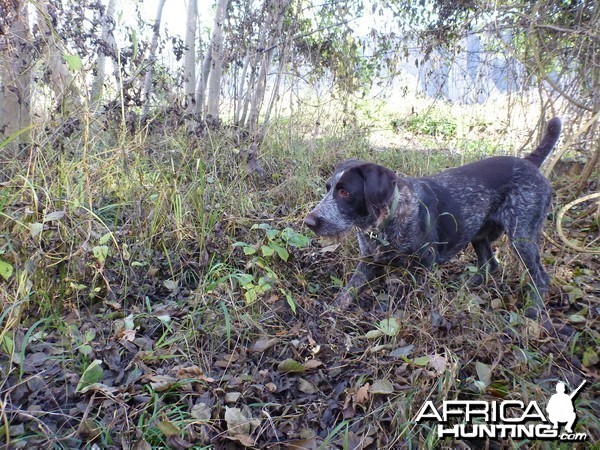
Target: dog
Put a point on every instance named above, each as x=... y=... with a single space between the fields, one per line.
x=410 y=222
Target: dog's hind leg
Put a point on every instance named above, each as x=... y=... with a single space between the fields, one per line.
x=486 y=261
x=528 y=251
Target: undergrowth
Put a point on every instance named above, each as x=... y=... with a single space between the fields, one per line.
x=156 y=294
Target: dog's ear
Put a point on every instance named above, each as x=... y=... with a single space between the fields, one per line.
x=379 y=185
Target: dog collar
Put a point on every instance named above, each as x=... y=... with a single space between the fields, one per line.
x=393 y=208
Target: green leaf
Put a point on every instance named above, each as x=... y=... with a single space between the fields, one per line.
x=8 y=345
x=290 y=366
x=294 y=239
x=289 y=300
x=251 y=295
x=249 y=250
x=590 y=357
x=576 y=318
x=374 y=334
x=92 y=374
x=267 y=250
x=168 y=428
x=261 y=226
x=420 y=361
x=105 y=238
x=390 y=326
x=170 y=284
x=6 y=269
x=245 y=279
x=73 y=62
x=282 y=252
x=86 y=350
x=272 y=234
x=100 y=252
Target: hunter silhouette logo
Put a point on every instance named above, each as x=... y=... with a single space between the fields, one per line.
x=560 y=407
x=479 y=419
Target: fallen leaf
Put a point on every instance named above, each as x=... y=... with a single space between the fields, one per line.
x=306 y=386
x=438 y=363
x=99 y=387
x=201 y=411
x=402 y=351
x=302 y=444
x=329 y=248
x=232 y=397
x=168 y=428
x=362 y=394
x=382 y=387
x=484 y=373
x=312 y=364
x=141 y=445
x=244 y=439
x=532 y=328
x=55 y=215
x=161 y=383
x=263 y=344
x=240 y=421
x=290 y=366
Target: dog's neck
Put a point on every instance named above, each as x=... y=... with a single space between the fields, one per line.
x=376 y=231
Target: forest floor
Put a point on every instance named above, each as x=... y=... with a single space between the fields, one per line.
x=154 y=296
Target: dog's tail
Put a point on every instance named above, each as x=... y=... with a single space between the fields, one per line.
x=553 y=129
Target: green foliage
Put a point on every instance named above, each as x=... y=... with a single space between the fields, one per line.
x=266 y=254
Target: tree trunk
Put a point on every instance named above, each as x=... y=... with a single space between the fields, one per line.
x=15 y=73
x=108 y=48
x=59 y=78
x=189 y=69
x=276 y=15
x=147 y=87
x=247 y=95
x=201 y=83
x=239 y=92
x=216 y=70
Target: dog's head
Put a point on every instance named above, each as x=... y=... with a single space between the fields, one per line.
x=358 y=195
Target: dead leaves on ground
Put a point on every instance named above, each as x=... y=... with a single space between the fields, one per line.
x=142 y=377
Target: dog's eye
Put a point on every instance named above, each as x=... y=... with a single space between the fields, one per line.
x=344 y=193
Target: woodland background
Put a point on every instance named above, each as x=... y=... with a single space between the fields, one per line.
x=157 y=287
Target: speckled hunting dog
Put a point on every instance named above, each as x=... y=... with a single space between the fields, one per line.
x=402 y=220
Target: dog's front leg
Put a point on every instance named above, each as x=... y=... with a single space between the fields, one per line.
x=364 y=273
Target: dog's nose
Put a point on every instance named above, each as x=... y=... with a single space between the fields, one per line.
x=311 y=221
